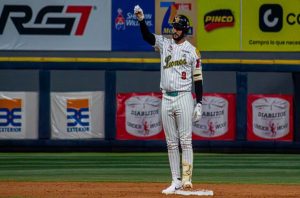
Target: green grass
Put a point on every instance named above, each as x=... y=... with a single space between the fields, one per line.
x=149 y=167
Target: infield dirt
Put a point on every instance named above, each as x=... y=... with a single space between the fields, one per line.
x=12 y=189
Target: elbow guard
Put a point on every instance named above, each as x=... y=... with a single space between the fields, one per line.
x=197 y=75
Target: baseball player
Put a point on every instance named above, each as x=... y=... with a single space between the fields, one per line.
x=180 y=65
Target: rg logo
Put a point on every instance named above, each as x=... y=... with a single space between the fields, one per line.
x=22 y=18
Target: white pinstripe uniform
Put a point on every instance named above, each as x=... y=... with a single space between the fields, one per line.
x=179 y=62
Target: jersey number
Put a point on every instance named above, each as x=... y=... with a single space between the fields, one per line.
x=183 y=75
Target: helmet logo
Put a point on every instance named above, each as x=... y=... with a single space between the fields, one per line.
x=177 y=19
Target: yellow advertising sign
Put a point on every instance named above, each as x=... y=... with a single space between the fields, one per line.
x=166 y=11
x=218 y=25
x=271 y=25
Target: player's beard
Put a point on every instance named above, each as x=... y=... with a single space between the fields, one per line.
x=177 y=37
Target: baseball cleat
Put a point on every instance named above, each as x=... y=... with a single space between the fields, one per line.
x=187 y=185
x=176 y=185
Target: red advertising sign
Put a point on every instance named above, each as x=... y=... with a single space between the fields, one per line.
x=139 y=116
x=218 y=118
x=270 y=117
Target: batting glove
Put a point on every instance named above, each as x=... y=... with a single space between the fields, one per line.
x=139 y=13
x=197 y=112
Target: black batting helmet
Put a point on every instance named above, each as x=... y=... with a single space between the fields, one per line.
x=181 y=22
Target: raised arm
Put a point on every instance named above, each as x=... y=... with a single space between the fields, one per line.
x=147 y=35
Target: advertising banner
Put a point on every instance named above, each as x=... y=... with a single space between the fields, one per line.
x=270 y=117
x=218 y=118
x=18 y=115
x=139 y=116
x=77 y=115
x=126 y=33
x=218 y=25
x=165 y=12
x=271 y=25
x=55 y=25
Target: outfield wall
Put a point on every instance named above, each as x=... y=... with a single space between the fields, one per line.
x=115 y=75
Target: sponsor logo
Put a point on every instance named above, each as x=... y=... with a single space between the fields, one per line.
x=293 y=18
x=143 y=116
x=49 y=20
x=214 y=122
x=218 y=19
x=120 y=20
x=270 y=117
x=172 y=10
x=78 y=115
x=10 y=115
x=270 y=17
x=130 y=20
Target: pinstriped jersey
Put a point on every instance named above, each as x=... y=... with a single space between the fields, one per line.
x=178 y=64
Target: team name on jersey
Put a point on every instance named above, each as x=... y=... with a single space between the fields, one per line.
x=174 y=63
